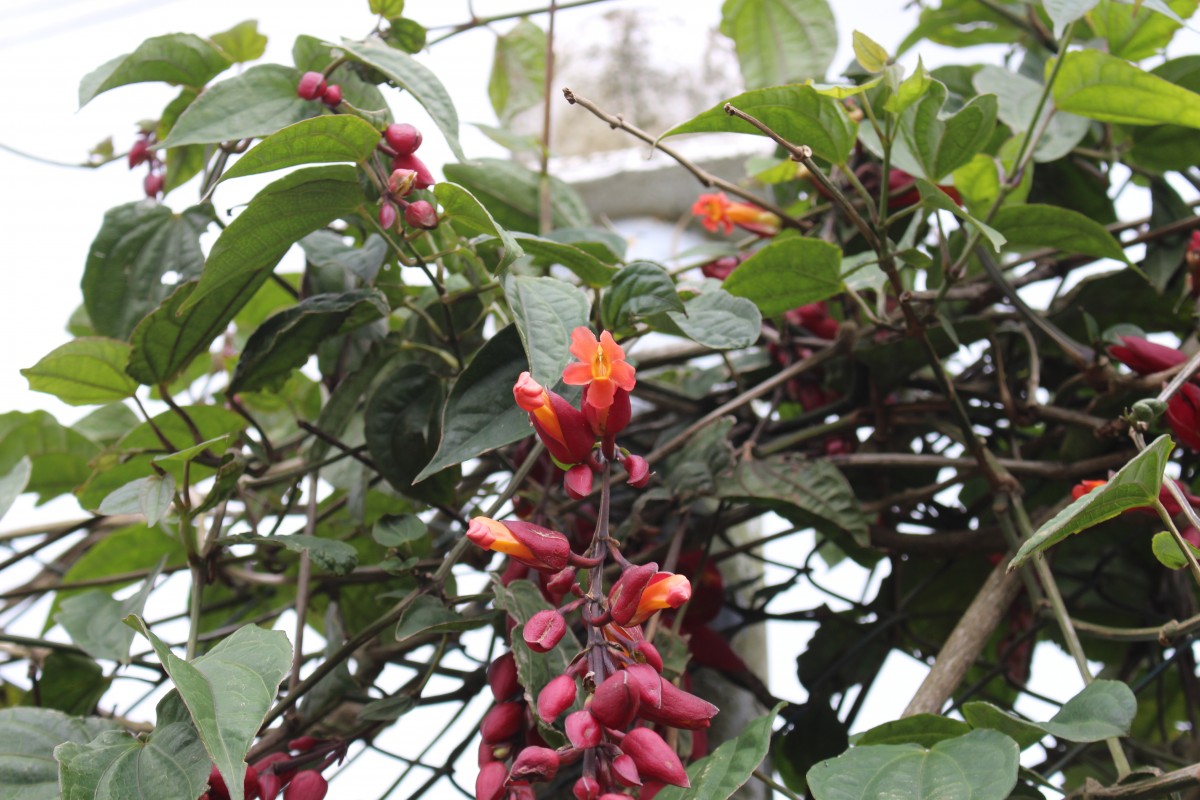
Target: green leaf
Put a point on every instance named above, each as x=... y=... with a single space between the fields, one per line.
x=171 y=762
x=1036 y=225
x=590 y=269
x=415 y=78
x=277 y=217
x=480 y=415
x=397 y=531
x=58 y=454
x=469 y=217
x=1109 y=89
x=1135 y=485
x=511 y=193
x=800 y=114
x=256 y=103
x=719 y=775
x=190 y=453
x=518 y=74
x=242 y=42
x=28 y=737
x=320 y=140
x=93 y=619
x=981 y=765
x=150 y=496
x=1103 y=710
x=787 y=273
x=401 y=425
x=910 y=90
x=641 y=289
x=177 y=58
x=870 y=54
x=336 y=556
x=107 y=424
x=388 y=9
x=138 y=244
x=1141 y=32
x=71 y=683
x=546 y=311
x=228 y=691
x=784 y=41
x=932 y=144
x=925 y=730
x=1018 y=98
x=1167 y=551
x=407 y=34
x=286 y=340
x=1063 y=12
x=985 y=715
x=934 y=198
x=719 y=320
x=427 y=615
x=13 y=483
x=83 y=372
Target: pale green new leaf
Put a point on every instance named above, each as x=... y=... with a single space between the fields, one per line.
x=782 y=41
x=84 y=372
x=320 y=140
x=518 y=74
x=1106 y=88
x=95 y=620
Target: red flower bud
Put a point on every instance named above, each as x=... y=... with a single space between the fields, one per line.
x=583 y=731
x=556 y=697
x=722 y=268
x=625 y=770
x=421 y=214
x=544 y=631
x=424 y=176
x=538 y=547
x=638 y=469
x=615 y=702
x=654 y=757
x=643 y=590
x=403 y=138
x=560 y=582
x=139 y=153
x=219 y=791
x=502 y=722
x=303 y=743
x=401 y=182
x=578 y=481
x=1144 y=356
x=153 y=184
x=311 y=86
x=387 y=216
x=560 y=426
x=307 y=785
x=1183 y=415
x=586 y=788
x=665 y=703
x=534 y=764
x=489 y=785
x=607 y=422
x=269 y=785
x=649 y=653
x=502 y=677
x=332 y=96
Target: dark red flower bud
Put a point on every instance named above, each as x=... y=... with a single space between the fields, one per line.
x=332 y=96
x=311 y=86
x=607 y=422
x=421 y=214
x=1144 y=356
x=403 y=138
x=303 y=743
x=153 y=184
x=560 y=582
x=502 y=722
x=665 y=703
x=583 y=731
x=219 y=791
x=649 y=653
x=556 y=697
x=1183 y=415
x=534 y=764
x=489 y=785
x=638 y=469
x=387 y=216
x=578 y=481
x=625 y=770
x=401 y=182
x=654 y=757
x=502 y=677
x=561 y=427
x=586 y=788
x=721 y=268
x=424 y=176
x=139 y=152
x=544 y=631
x=615 y=702
x=613 y=796
x=307 y=785
x=269 y=785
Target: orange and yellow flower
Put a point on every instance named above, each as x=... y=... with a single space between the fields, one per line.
x=562 y=427
x=642 y=591
x=716 y=211
x=538 y=547
x=602 y=367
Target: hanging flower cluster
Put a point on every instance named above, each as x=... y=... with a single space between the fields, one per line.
x=613 y=734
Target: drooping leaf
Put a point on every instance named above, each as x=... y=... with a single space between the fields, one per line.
x=84 y=372
x=788 y=273
x=286 y=340
x=401 y=425
x=336 y=556
x=786 y=41
x=468 y=216
x=1135 y=485
x=242 y=42
x=13 y=483
x=228 y=691
x=934 y=198
x=1109 y=89
x=512 y=195
x=28 y=737
x=94 y=619
x=592 y=270
x=1167 y=551
x=177 y=58
x=150 y=496
x=256 y=103
x=138 y=244
x=932 y=144
x=320 y=140
x=428 y=615
x=1102 y=710
x=717 y=319
x=985 y=715
x=641 y=289
x=718 y=776
x=415 y=78
x=546 y=311
x=479 y=415
x=800 y=114
x=518 y=74
x=1037 y=225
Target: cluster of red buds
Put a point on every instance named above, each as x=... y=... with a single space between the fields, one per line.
x=141 y=152
x=614 y=736
x=312 y=86
x=296 y=773
x=1183 y=409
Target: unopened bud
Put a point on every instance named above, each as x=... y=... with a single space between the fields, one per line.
x=311 y=86
x=638 y=469
x=502 y=722
x=649 y=653
x=1149 y=409
x=387 y=216
x=654 y=758
x=616 y=701
x=303 y=743
x=534 y=764
x=489 y=785
x=424 y=176
x=332 y=96
x=625 y=770
x=403 y=138
x=401 y=182
x=583 y=731
x=421 y=214
x=586 y=788
x=544 y=631
x=307 y=785
x=556 y=697
x=578 y=481
x=502 y=677
x=139 y=152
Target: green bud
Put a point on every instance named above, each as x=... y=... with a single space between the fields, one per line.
x=1148 y=410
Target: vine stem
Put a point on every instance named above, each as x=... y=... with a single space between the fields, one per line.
x=302 y=585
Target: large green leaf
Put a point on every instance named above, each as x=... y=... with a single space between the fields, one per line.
x=480 y=414
x=58 y=454
x=428 y=615
x=546 y=311
x=923 y=729
x=719 y=775
x=800 y=114
x=985 y=715
x=783 y=41
x=242 y=42
x=1106 y=88
x=28 y=737
x=640 y=289
x=1018 y=97
x=518 y=74
x=468 y=216
x=94 y=619
x=177 y=58
x=1102 y=710
x=150 y=496
x=256 y=103
x=286 y=340
x=138 y=244
x=70 y=682
x=228 y=691
x=511 y=194
x=117 y=765
x=415 y=78
x=1138 y=33
x=933 y=144
x=1135 y=485
x=1063 y=12
x=277 y=217
x=1037 y=225
x=167 y=341
x=981 y=765
x=787 y=273
x=717 y=319
x=594 y=271
x=401 y=423
x=320 y=140
x=83 y=372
